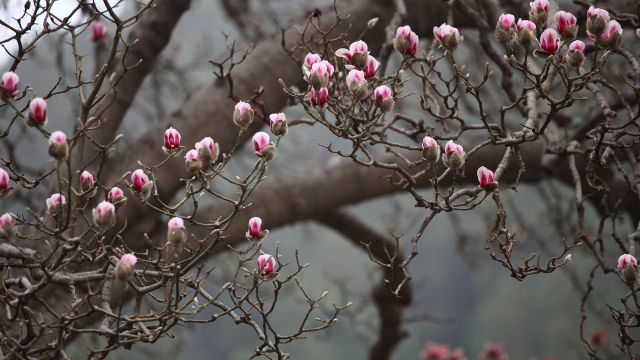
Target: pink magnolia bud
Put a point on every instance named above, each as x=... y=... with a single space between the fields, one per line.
x=86 y=181
x=383 y=97
x=434 y=351
x=261 y=145
x=448 y=36
x=125 y=267
x=98 y=30
x=318 y=98
x=116 y=196
x=406 y=41
x=192 y=161
x=266 y=265
x=356 y=55
x=7 y=226
x=526 y=31
x=104 y=215
x=506 y=21
x=577 y=45
x=626 y=260
x=566 y=25
x=505 y=28
x=539 y=11
x=141 y=184
x=599 y=338
x=55 y=204
x=454 y=155
x=177 y=233
x=575 y=55
x=494 y=352
x=320 y=74
x=58 y=147
x=255 y=232
x=243 y=114
x=208 y=150
x=611 y=37
x=309 y=60
x=171 y=140
x=278 y=124
x=430 y=150
x=371 y=67
x=549 y=41
x=37 y=112
x=357 y=83
x=10 y=82
x=486 y=179
x=597 y=20
x=4 y=181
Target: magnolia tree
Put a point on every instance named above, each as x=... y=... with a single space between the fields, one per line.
x=111 y=240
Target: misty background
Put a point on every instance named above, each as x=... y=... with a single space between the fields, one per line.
x=461 y=296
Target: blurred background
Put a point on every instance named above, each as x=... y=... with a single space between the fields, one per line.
x=461 y=297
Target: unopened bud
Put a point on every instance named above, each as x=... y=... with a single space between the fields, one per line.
x=58 y=146
x=126 y=267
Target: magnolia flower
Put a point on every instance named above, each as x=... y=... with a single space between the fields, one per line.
x=104 y=215
x=10 y=82
x=371 y=67
x=406 y=41
x=37 y=112
x=486 y=179
x=454 y=155
x=192 y=161
x=4 y=181
x=55 y=204
x=125 y=267
x=87 y=181
x=255 y=231
x=116 y=196
x=309 y=60
x=430 y=150
x=494 y=352
x=171 y=140
x=597 y=20
x=566 y=25
x=242 y=114
x=434 y=351
x=261 y=145
x=98 y=30
x=357 y=83
x=208 y=150
x=448 y=36
x=278 y=124
x=627 y=265
x=58 y=147
x=383 y=97
x=7 y=225
x=575 y=55
x=266 y=265
x=177 y=233
x=599 y=338
x=577 y=45
x=526 y=31
x=320 y=74
x=612 y=36
x=141 y=184
x=356 y=55
x=318 y=98
x=549 y=41
x=626 y=260
x=539 y=11
x=505 y=28
x=506 y=21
